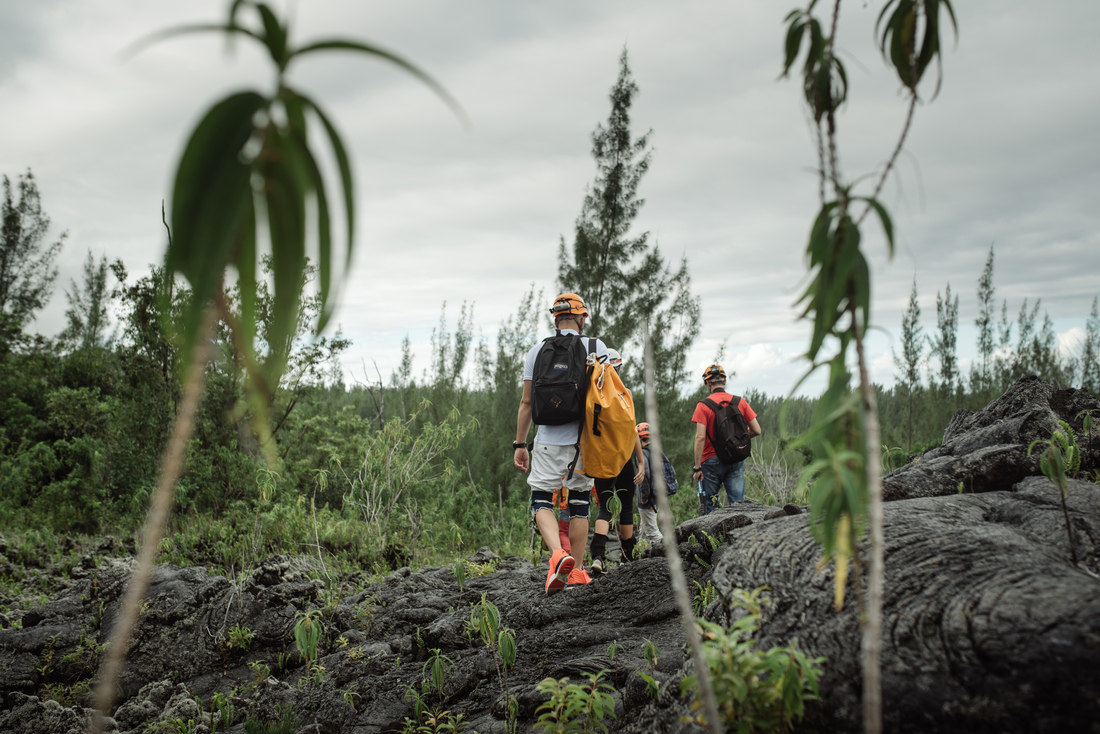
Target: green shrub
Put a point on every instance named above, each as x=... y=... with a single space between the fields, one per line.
x=756 y=691
x=240 y=638
x=575 y=707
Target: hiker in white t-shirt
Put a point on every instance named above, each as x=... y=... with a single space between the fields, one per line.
x=554 y=450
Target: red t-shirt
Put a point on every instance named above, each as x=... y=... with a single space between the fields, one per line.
x=705 y=415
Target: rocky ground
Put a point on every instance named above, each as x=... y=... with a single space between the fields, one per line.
x=989 y=625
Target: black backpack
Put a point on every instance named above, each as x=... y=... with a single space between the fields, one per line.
x=731 y=440
x=560 y=380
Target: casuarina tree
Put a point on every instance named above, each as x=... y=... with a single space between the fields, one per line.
x=912 y=354
x=981 y=377
x=27 y=257
x=87 y=312
x=622 y=276
x=945 y=343
x=1090 y=353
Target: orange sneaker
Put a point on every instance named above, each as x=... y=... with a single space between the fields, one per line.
x=579 y=576
x=561 y=565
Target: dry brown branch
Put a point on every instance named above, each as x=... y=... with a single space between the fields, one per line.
x=672 y=552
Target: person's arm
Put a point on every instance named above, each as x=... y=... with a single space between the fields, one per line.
x=700 y=443
x=754 y=428
x=639 y=477
x=522 y=458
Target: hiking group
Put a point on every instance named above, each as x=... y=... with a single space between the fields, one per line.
x=587 y=444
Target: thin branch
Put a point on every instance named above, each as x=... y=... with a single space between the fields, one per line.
x=820 y=139
x=872 y=626
x=893 y=157
x=253 y=370
x=830 y=115
x=672 y=552
x=317 y=537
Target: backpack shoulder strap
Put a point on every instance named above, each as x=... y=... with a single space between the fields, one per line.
x=584 y=418
x=713 y=409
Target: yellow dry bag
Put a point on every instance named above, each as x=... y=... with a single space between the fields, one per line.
x=608 y=435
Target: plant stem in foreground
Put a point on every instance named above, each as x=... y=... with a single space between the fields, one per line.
x=872 y=623
x=154 y=526
x=672 y=552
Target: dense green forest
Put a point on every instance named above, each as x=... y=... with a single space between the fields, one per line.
x=397 y=470
x=402 y=468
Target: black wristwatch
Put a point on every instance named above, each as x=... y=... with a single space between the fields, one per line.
x=696 y=468
x=519 y=445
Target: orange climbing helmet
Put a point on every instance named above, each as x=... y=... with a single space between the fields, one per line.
x=568 y=303
x=642 y=429
x=714 y=371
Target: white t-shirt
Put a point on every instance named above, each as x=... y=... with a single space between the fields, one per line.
x=565 y=434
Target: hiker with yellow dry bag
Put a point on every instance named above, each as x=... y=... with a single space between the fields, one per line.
x=555 y=381
x=607 y=442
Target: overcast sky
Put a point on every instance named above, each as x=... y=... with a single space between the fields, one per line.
x=1007 y=154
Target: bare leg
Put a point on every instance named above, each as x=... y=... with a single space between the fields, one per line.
x=547 y=523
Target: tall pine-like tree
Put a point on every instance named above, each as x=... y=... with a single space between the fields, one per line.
x=981 y=377
x=945 y=344
x=912 y=354
x=625 y=280
x=87 y=312
x=1090 y=353
x=27 y=269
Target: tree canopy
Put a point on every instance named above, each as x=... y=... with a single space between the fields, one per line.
x=624 y=278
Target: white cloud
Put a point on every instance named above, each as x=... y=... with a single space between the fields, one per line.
x=1070 y=342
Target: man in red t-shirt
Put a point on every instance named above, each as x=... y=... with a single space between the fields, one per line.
x=708 y=470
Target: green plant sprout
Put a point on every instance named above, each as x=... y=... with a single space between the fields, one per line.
x=434 y=672
x=650 y=653
x=223 y=706
x=613 y=649
x=575 y=707
x=1061 y=458
x=703 y=597
x=485 y=622
x=260 y=673
x=307 y=635
x=240 y=638
x=460 y=576
x=430 y=721
x=652 y=685
x=287 y=722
